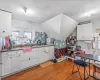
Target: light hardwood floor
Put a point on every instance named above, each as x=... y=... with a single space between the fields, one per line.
x=58 y=71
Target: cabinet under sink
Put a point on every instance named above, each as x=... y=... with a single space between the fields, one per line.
x=15 y=61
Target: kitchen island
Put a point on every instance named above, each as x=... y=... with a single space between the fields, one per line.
x=15 y=60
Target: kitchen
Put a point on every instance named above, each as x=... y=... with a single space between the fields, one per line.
x=35 y=33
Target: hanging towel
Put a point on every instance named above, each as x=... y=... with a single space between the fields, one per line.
x=7 y=41
x=27 y=49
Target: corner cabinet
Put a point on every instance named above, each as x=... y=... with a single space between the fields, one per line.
x=5 y=23
x=84 y=32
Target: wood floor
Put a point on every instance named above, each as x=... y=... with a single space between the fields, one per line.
x=58 y=71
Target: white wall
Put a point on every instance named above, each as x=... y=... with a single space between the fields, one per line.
x=60 y=26
x=21 y=26
x=68 y=25
x=52 y=26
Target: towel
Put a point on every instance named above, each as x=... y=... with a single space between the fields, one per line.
x=7 y=41
x=27 y=49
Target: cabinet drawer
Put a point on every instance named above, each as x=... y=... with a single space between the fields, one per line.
x=29 y=63
x=6 y=53
x=16 y=52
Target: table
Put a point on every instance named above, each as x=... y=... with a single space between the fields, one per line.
x=89 y=57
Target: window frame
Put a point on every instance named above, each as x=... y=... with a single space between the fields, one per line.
x=28 y=32
x=18 y=33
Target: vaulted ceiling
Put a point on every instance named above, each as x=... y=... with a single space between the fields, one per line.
x=46 y=9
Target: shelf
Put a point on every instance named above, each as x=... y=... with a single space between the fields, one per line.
x=70 y=57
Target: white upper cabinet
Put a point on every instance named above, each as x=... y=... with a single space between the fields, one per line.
x=84 y=32
x=5 y=23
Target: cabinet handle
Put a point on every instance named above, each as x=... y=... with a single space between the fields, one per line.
x=29 y=58
x=3 y=31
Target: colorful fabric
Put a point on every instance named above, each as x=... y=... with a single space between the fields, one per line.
x=7 y=41
x=27 y=49
x=60 y=52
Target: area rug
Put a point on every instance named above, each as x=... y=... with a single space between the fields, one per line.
x=46 y=64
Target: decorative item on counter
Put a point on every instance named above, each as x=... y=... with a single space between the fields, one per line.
x=39 y=42
x=50 y=41
x=11 y=44
x=21 y=45
x=40 y=36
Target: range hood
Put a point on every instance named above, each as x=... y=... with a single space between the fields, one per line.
x=59 y=27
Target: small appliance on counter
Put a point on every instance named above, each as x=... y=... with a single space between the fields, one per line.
x=39 y=42
x=50 y=41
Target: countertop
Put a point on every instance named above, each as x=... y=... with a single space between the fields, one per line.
x=19 y=48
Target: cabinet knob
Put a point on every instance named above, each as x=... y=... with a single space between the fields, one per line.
x=3 y=31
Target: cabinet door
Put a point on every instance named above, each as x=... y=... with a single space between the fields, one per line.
x=15 y=66
x=51 y=52
x=88 y=31
x=5 y=23
x=24 y=58
x=80 y=32
x=43 y=54
x=6 y=64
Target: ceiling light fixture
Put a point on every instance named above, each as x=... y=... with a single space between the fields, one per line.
x=90 y=12
x=25 y=10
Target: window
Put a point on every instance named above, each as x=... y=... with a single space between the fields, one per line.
x=15 y=35
x=28 y=35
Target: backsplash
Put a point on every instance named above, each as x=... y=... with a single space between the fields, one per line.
x=60 y=44
x=40 y=36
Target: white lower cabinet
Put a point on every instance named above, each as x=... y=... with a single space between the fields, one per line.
x=51 y=52
x=15 y=61
x=29 y=59
x=6 y=63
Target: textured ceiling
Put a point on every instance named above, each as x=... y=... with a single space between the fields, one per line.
x=46 y=9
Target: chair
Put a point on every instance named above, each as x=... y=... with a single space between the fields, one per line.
x=78 y=64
